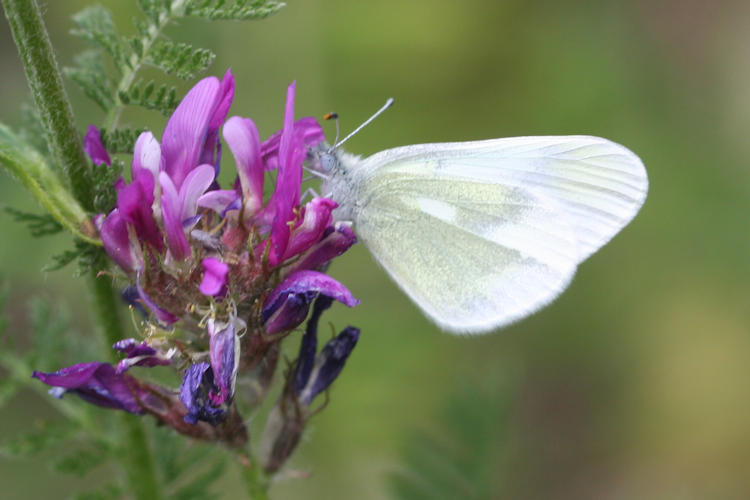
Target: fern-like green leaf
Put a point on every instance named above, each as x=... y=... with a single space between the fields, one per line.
x=235 y=10
x=39 y=225
x=145 y=94
x=180 y=59
x=105 y=196
x=94 y=24
x=93 y=81
x=120 y=140
x=87 y=256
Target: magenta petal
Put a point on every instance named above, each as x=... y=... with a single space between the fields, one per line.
x=134 y=202
x=335 y=241
x=171 y=212
x=214 y=277
x=185 y=133
x=117 y=244
x=316 y=218
x=288 y=304
x=218 y=200
x=195 y=184
x=307 y=130
x=92 y=144
x=242 y=137
x=146 y=155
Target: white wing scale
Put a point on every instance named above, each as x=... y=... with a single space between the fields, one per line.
x=480 y=234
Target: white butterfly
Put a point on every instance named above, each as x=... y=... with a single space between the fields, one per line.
x=481 y=234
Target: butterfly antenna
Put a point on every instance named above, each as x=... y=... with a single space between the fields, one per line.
x=387 y=105
x=333 y=116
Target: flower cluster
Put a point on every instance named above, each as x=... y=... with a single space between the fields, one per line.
x=222 y=275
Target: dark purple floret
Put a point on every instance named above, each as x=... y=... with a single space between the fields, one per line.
x=131 y=297
x=330 y=362
x=309 y=345
x=197 y=384
x=99 y=384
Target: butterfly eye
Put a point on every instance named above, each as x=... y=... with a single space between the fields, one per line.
x=327 y=162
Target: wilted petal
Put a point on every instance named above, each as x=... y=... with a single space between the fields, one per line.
x=138 y=354
x=194 y=394
x=335 y=240
x=316 y=217
x=288 y=304
x=329 y=363
x=99 y=384
x=309 y=345
x=117 y=243
x=185 y=133
x=92 y=144
x=224 y=352
x=308 y=132
x=242 y=137
x=214 y=277
x=171 y=212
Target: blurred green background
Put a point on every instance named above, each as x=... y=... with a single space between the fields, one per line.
x=634 y=384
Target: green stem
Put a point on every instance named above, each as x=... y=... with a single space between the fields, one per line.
x=134 y=454
x=256 y=481
x=49 y=95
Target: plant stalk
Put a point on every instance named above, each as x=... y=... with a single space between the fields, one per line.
x=50 y=98
x=256 y=481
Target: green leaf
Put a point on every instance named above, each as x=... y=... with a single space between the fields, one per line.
x=86 y=254
x=180 y=59
x=94 y=24
x=105 y=196
x=236 y=10
x=121 y=140
x=31 y=169
x=162 y=99
x=49 y=327
x=47 y=435
x=82 y=461
x=89 y=74
x=198 y=487
x=39 y=225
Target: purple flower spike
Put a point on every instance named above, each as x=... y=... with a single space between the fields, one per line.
x=137 y=355
x=335 y=240
x=288 y=304
x=242 y=137
x=329 y=363
x=194 y=391
x=117 y=243
x=92 y=144
x=307 y=130
x=225 y=351
x=98 y=384
x=215 y=273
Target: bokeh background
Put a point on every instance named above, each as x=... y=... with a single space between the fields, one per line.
x=634 y=384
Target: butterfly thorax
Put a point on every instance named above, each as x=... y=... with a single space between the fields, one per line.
x=340 y=182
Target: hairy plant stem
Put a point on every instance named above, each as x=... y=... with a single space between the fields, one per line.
x=135 y=455
x=49 y=96
x=256 y=481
